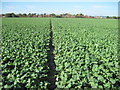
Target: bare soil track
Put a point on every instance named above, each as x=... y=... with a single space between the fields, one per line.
x=51 y=64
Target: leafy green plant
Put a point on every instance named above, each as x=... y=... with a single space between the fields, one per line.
x=24 y=55
x=86 y=53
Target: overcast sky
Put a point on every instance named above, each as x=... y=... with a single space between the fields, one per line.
x=90 y=7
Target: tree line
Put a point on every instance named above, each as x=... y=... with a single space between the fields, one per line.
x=66 y=15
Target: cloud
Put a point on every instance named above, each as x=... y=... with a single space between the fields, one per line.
x=77 y=6
x=101 y=6
x=29 y=6
x=10 y=7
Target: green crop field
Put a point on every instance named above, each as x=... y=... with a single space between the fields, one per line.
x=85 y=53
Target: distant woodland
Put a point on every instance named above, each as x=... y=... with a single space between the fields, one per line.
x=66 y=15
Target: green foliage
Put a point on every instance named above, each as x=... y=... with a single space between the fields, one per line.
x=24 y=55
x=10 y=15
x=86 y=53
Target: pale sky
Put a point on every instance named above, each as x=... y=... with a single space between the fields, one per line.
x=60 y=0
x=87 y=7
